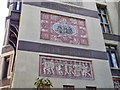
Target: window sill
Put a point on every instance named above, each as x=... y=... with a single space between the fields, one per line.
x=111 y=36
x=115 y=68
x=108 y=33
x=115 y=76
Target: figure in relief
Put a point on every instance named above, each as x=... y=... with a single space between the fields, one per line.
x=77 y=69
x=48 y=67
x=68 y=68
x=85 y=70
x=59 y=66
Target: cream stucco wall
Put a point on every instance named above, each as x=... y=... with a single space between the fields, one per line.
x=27 y=63
x=30 y=28
x=112 y=8
x=27 y=70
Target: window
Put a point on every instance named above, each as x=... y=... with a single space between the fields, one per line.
x=5 y=67
x=103 y=17
x=112 y=56
x=90 y=88
x=68 y=87
x=17 y=5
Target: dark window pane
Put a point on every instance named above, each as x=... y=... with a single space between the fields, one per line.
x=105 y=19
x=100 y=18
x=107 y=29
x=110 y=62
x=5 y=67
x=18 y=5
x=68 y=87
x=114 y=60
x=102 y=28
x=103 y=10
x=98 y=10
x=90 y=88
x=14 y=5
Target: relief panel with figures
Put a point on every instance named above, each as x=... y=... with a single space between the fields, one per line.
x=65 y=68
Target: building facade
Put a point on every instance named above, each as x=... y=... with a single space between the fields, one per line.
x=74 y=44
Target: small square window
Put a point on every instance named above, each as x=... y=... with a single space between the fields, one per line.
x=68 y=87
x=91 y=88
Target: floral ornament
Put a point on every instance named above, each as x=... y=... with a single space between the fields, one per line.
x=43 y=83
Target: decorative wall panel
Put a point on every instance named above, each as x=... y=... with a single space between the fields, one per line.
x=116 y=82
x=65 y=68
x=63 y=29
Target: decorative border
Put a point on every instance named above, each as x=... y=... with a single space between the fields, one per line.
x=61 y=50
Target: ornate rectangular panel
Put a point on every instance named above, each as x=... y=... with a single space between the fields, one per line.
x=65 y=68
x=63 y=29
x=116 y=82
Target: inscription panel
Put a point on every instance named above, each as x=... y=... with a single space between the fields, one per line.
x=65 y=68
x=63 y=29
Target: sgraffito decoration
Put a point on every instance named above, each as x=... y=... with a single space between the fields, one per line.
x=65 y=68
x=116 y=83
x=63 y=29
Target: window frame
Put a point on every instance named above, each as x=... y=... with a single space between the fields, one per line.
x=102 y=22
x=110 y=51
